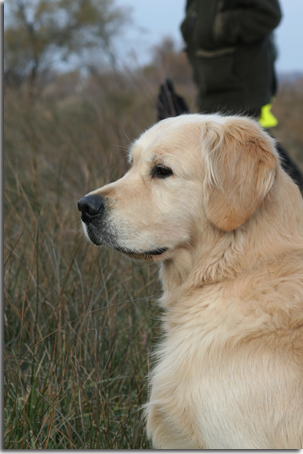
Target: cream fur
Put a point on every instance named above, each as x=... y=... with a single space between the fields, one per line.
x=229 y=372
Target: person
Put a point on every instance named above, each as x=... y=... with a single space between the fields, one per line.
x=231 y=49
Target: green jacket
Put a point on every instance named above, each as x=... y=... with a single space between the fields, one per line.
x=230 y=47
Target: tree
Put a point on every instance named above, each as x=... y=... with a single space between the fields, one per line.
x=38 y=33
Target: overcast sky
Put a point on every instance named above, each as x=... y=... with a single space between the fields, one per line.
x=154 y=19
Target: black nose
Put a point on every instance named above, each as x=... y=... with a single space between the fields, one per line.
x=90 y=206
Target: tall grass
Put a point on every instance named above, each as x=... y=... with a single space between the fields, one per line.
x=80 y=321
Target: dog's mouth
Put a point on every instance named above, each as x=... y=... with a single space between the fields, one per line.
x=146 y=255
x=109 y=240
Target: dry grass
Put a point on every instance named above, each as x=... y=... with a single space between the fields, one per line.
x=80 y=321
x=288 y=108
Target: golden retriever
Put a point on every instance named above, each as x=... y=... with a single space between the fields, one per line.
x=205 y=197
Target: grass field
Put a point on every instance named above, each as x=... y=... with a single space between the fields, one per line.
x=80 y=321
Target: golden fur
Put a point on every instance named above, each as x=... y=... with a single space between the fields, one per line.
x=230 y=366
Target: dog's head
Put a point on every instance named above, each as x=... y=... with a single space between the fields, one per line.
x=187 y=173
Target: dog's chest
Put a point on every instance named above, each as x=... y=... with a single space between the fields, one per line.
x=186 y=390
x=192 y=385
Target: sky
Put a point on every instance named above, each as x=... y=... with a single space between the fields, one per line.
x=155 y=19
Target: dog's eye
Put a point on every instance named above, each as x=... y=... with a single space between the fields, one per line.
x=161 y=172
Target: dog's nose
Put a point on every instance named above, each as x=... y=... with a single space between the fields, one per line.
x=90 y=206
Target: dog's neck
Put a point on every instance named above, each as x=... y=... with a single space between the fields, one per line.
x=209 y=260
x=217 y=256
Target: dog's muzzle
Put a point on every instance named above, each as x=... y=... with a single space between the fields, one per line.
x=100 y=231
x=91 y=207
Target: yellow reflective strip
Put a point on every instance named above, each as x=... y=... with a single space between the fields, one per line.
x=267 y=119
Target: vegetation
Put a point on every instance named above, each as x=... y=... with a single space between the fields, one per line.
x=39 y=34
x=80 y=321
x=288 y=108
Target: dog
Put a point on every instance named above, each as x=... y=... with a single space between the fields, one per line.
x=207 y=199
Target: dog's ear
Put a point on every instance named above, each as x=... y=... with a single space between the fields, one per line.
x=241 y=166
